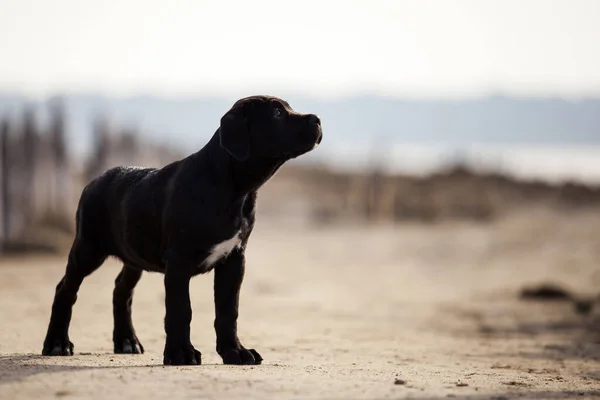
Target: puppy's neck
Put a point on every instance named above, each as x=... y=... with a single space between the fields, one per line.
x=244 y=176
x=248 y=176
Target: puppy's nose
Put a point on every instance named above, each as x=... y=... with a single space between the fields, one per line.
x=313 y=120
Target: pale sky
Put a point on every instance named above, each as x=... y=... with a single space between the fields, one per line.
x=324 y=48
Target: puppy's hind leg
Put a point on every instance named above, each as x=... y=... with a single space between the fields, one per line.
x=124 y=337
x=84 y=258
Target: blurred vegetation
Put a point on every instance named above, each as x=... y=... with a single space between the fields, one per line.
x=454 y=193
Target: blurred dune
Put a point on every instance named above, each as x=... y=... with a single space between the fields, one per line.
x=454 y=193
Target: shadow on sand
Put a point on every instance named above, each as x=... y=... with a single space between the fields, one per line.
x=567 y=394
x=22 y=366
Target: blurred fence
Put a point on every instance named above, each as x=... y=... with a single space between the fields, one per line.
x=40 y=183
x=34 y=172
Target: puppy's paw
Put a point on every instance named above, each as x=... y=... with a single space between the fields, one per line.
x=241 y=356
x=183 y=355
x=128 y=346
x=58 y=347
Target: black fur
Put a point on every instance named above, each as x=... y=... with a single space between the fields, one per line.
x=167 y=220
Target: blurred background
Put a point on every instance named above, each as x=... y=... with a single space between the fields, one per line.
x=432 y=110
x=458 y=179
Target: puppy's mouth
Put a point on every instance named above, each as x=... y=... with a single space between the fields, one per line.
x=304 y=150
x=319 y=139
x=318 y=142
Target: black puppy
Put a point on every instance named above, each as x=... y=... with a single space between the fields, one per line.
x=184 y=219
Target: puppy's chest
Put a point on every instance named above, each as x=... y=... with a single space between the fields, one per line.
x=241 y=226
x=222 y=249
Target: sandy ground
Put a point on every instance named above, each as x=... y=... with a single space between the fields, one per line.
x=338 y=313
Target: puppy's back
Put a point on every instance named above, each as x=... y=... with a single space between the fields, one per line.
x=101 y=203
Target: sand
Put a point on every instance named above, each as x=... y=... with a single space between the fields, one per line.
x=338 y=312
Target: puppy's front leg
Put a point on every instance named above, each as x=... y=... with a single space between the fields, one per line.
x=228 y=281
x=178 y=348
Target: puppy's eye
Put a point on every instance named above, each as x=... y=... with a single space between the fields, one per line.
x=277 y=113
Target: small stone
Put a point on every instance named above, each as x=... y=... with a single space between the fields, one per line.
x=583 y=307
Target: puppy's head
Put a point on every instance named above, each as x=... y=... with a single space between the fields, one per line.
x=267 y=127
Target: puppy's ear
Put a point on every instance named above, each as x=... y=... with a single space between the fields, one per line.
x=234 y=136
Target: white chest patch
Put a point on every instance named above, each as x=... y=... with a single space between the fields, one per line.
x=223 y=249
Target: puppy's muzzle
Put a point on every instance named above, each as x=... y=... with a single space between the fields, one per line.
x=308 y=136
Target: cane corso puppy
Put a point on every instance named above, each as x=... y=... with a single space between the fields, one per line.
x=187 y=218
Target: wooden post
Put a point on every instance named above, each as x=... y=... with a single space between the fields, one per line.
x=59 y=150
x=100 y=152
x=30 y=138
x=5 y=165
